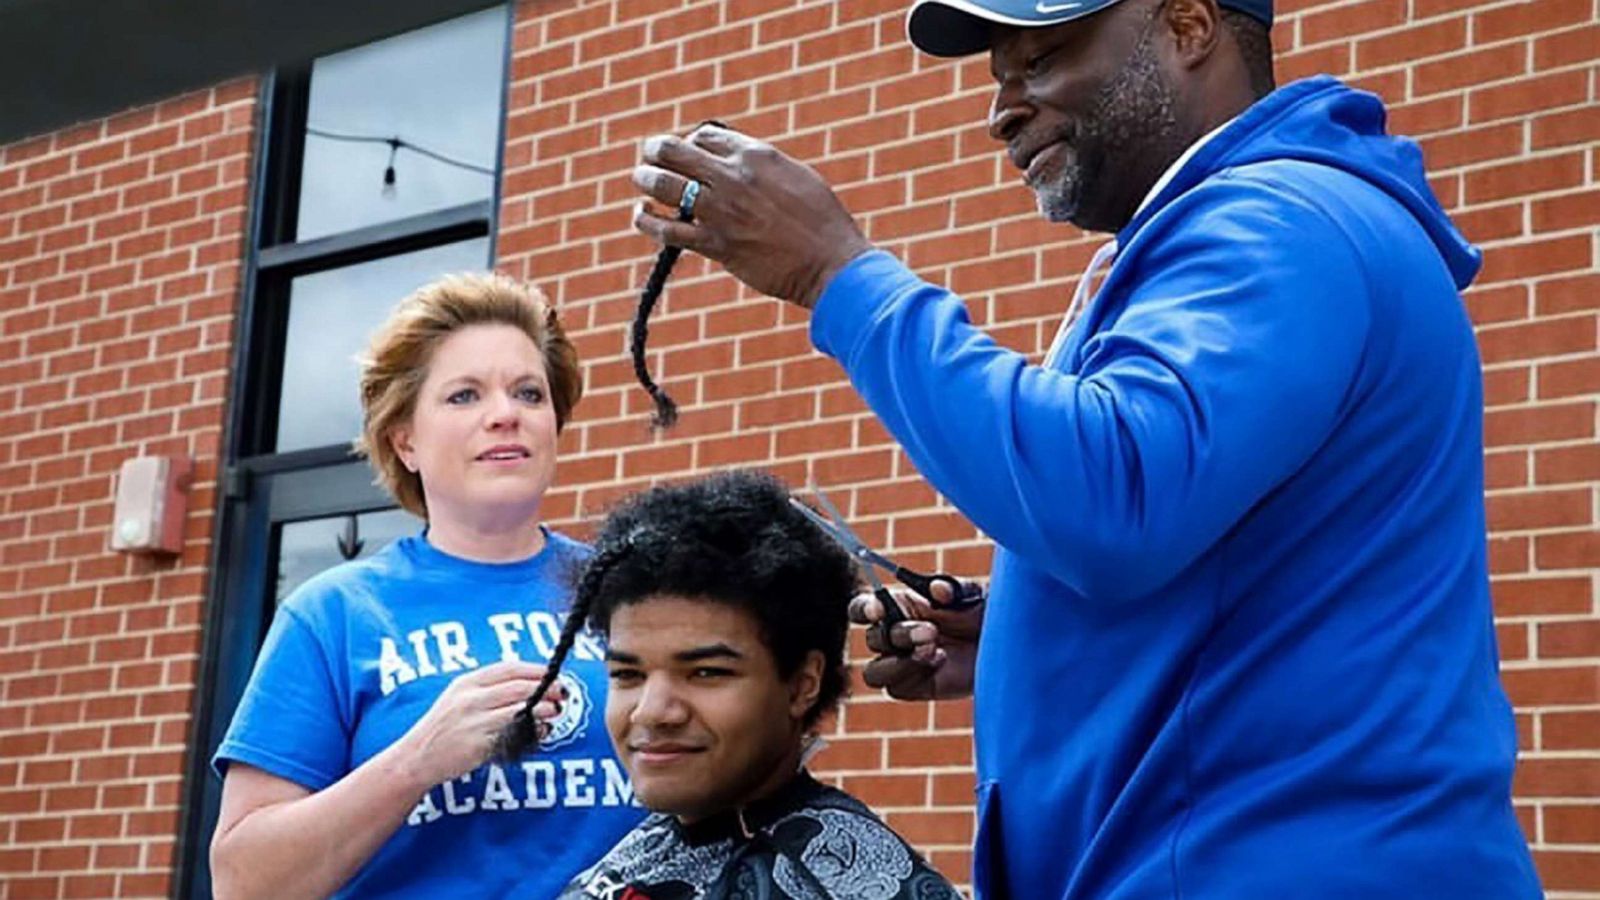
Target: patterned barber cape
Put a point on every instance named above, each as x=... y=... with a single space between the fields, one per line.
x=806 y=842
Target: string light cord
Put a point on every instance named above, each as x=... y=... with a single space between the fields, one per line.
x=397 y=142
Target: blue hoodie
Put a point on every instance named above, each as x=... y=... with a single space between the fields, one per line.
x=1239 y=640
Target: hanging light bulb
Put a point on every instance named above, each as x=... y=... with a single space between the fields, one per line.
x=388 y=172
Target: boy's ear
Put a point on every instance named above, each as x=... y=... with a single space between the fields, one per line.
x=806 y=684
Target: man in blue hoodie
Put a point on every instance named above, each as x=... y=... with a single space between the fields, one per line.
x=1238 y=641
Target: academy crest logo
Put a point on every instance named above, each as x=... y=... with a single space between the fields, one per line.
x=573 y=721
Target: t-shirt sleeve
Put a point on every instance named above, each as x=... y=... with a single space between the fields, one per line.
x=289 y=723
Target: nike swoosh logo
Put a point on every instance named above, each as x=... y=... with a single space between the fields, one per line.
x=1048 y=8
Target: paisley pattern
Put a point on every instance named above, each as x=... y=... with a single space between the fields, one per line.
x=853 y=856
x=653 y=853
x=821 y=844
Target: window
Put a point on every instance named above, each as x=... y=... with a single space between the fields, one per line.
x=378 y=171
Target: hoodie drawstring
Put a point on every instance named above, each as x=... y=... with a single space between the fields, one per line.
x=1087 y=284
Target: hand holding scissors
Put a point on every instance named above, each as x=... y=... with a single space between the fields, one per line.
x=941 y=592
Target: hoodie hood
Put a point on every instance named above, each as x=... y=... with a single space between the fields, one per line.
x=1321 y=120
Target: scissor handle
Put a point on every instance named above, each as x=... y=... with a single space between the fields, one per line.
x=892 y=613
x=892 y=616
x=964 y=595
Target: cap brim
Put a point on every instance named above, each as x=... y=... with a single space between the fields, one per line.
x=962 y=27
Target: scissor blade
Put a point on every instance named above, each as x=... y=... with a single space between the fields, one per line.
x=860 y=548
x=872 y=576
x=838 y=517
x=846 y=538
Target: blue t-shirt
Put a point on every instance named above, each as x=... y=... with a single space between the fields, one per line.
x=359 y=653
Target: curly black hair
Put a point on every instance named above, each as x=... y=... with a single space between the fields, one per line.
x=731 y=538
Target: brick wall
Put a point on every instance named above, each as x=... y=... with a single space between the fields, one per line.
x=120 y=247
x=1502 y=97
x=119 y=265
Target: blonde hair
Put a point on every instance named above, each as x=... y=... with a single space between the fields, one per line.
x=396 y=362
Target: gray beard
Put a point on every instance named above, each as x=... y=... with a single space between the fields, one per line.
x=1058 y=199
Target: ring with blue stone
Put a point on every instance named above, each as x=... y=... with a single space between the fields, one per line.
x=691 y=193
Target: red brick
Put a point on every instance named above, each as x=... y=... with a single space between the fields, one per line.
x=90 y=885
x=883 y=791
x=774 y=346
x=1563 y=465
x=933 y=827
x=1569 y=639
x=1545 y=337
x=656 y=461
x=1522 y=97
x=1576 y=209
x=1492 y=223
x=952 y=179
x=931 y=750
x=1545 y=777
x=1568 y=551
x=1575 y=45
x=1465 y=69
x=913 y=89
x=1523 y=177
x=1541 y=596
x=1472 y=145
x=718 y=44
x=1505 y=386
x=1568 y=294
x=1551 y=685
x=1351 y=19
x=1551 y=256
x=836 y=43
x=1531 y=17
x=795 y=24
x=1569 y=378
x=1570 y=730
x=1571 y=824
x=743 y=449
x=808 y=439
x=1413 y=43
x=1333 y=60
x=145 y=885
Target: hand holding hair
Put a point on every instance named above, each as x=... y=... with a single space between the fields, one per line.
x=770 y=220
x=458 y=732
x=666 y=414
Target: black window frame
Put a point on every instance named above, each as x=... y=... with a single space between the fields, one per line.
x=308 y=483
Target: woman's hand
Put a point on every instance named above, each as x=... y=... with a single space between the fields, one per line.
x=457 y=734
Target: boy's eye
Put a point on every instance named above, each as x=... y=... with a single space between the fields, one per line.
x=712 y=672
x=464 y=395
x=626 y=676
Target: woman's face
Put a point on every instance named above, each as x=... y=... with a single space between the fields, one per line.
x=483 y=435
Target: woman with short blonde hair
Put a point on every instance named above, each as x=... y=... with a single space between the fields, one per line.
x=357 y=762
x=393 y=366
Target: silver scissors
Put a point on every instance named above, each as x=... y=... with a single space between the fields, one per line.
x=965 y=595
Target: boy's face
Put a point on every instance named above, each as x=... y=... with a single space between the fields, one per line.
x=697 y=710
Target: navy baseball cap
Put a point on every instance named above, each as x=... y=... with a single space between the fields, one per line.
x=961 y=27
